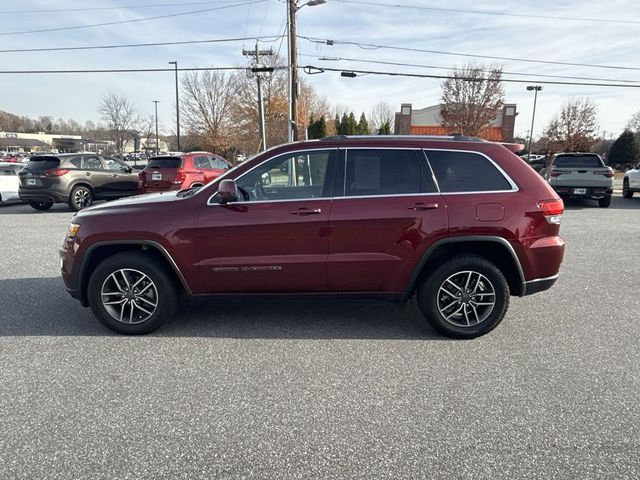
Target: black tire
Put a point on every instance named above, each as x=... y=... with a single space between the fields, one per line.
x=163 y=292
x=604 y=202
x=80 y=197
x=41 y=206
x=462 y=323
x=626 y=193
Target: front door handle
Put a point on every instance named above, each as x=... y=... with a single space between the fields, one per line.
x=423 y=206
x=307 y=211
x=88 y=174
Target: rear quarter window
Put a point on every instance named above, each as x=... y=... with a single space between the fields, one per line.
x=165 y=162
x=458 y=172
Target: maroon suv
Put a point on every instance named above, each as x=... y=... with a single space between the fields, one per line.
x=463 y=223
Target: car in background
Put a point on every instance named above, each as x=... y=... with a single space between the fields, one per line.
x=580 y=175
x=9 y=182
x=631 y=182
x=177 y=172
x=75 y=179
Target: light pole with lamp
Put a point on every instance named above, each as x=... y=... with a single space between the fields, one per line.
x=536 y=89
x=157 y=140
x=175 y=64
x=292 y=64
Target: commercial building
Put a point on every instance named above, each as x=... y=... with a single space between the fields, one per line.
x=39 y=142
x=428 y=121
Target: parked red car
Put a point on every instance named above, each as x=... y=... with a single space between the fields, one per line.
x=463 y=223
x=179 y=172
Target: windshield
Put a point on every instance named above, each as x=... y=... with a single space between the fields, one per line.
x=578 y=161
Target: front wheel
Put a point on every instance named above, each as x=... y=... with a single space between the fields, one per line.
x=604 y=202
x=41 y=206
x=131 y=293
x=465 y=297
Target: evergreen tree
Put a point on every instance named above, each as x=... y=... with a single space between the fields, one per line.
x=624 y=150
x=317 y=128
x=338 y=125
x=322 y=128
x=385 y=129
x=350 y=126
x=363 y=125
x=344 y=124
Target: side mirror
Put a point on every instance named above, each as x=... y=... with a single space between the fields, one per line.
x=228 y=191
x=266 y=178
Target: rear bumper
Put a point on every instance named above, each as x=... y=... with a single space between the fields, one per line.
x=594 y=193
x=36 y=195
x=538 y=285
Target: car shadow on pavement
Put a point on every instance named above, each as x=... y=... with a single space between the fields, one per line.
x=41 y=307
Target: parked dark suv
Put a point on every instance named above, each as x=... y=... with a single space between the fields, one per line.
x=462 y=222
x=76 y=178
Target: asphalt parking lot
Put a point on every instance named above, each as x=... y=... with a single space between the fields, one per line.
x=350 y=390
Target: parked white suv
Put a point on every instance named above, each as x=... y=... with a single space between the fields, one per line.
x=631 y=182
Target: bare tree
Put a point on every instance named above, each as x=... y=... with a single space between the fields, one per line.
x=120 y=117
x=574 y=127
x=471 y=99
x=206 y=105
x=382 y=116
x=146 y=127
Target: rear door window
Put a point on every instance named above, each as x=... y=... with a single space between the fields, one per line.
x=202 y=162
x=91 y=163
x=458 y=172
x=578 y=161
x=218 y=163
x=165 y=162
x=383 y=172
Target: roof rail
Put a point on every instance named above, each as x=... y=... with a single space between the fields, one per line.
x=455 y=138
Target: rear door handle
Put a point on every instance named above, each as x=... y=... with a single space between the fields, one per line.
x=423 y=206
x=307 y=211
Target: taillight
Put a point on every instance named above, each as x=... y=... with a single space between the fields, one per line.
x=552 y=210
x=180 y=177
x=55 y=172
x=608 y=174
x=555 y=173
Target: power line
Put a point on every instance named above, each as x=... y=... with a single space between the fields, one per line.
x=309 y=68
x=489 y=12
x=124 y=70
x=121 y=7
x=120 y=22
x=267 y=38
x=371 y=46
x=400 y=64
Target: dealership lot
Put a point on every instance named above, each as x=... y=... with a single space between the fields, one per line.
x=324 y=390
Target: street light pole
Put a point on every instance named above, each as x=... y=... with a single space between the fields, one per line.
x=175 y=64
x=536 y=89
x=292 y=64
x=157 y=140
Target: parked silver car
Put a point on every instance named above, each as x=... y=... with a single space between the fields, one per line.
x=631 y=182
x=580 y=175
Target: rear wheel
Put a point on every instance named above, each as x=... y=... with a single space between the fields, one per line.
x=81 y=197
x=132 y=293
x=465 y=297
x=626 y=192
x=42 y=206
x=604 y=202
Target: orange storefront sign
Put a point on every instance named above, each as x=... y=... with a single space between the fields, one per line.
x=492 y=133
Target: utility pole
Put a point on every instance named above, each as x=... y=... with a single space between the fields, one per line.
x=293 y=73
x=259 y=70
x=175 y=64
x=157 y=140
x=536 y=89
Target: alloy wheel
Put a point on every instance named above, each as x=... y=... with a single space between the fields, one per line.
x=466 y=298
x=82 y=198
x=129 y=296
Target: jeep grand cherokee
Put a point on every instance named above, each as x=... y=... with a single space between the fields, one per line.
x=462 y=223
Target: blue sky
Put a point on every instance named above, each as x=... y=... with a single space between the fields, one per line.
x=77 y=96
